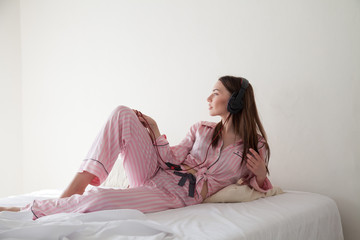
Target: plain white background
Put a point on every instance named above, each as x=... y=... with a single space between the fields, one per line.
x=65 y=65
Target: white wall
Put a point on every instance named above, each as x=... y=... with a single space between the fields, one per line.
x=81 y=58
x=10 y=99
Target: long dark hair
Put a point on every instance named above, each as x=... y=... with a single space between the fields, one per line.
x=246 y=123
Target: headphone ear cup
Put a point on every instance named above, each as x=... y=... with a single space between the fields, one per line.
x=236 y=101
x=234 y=105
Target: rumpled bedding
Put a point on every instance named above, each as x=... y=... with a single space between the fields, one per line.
x=291 y=215
x=109 y=224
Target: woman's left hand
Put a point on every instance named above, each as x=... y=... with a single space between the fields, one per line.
x=256 y=164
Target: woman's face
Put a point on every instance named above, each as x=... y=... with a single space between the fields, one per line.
x=218 y=100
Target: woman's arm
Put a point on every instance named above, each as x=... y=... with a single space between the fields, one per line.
x=177 y=154
x=256 y=165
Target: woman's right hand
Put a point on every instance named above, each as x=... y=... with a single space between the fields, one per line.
x=144 y=118
x=189 y=169
x=204 y=189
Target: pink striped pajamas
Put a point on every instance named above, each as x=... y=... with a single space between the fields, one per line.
x=153 y=186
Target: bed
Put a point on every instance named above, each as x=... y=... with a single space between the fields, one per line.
x=290 y=215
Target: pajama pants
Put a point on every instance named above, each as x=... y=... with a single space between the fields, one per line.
x=152 y=188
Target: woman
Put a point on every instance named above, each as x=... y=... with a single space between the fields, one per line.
x=211 y=157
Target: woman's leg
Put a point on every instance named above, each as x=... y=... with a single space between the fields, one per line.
x=10 y=209
x=78 y=184
x=145 y=198
x=122 y=134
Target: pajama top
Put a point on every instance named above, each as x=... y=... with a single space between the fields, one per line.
x=221 y=168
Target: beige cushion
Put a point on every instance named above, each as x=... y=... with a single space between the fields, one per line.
x=240 y=193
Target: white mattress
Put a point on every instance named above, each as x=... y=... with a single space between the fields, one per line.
x=292 y=215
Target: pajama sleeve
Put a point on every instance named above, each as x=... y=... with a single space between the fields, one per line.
x=267 y=184
x=177 y=154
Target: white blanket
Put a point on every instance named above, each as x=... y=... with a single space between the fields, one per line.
x=111 y=224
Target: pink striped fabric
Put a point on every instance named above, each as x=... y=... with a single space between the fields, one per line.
x=221 y=168
x=153 y=186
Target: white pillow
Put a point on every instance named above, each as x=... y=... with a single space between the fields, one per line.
x=240 y=193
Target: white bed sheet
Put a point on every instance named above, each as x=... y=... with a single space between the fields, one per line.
x=292 y=215
x=289 y=216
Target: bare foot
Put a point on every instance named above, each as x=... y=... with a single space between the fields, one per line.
x=10 y=209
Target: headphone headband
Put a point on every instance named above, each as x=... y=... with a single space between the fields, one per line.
x=236 y=101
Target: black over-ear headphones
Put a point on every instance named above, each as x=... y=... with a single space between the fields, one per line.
x=236 y=101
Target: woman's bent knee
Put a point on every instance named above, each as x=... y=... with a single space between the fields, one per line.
x=122 y=110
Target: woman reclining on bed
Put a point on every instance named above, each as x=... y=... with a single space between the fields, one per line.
x=211 y=157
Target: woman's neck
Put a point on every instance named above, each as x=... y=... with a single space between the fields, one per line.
x=228 y=127
x=228 y=130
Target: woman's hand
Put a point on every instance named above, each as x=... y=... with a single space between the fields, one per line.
x=189 y=169
x=152 y=123
x=257 y=166
x=144 y=118
x=204 y=189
